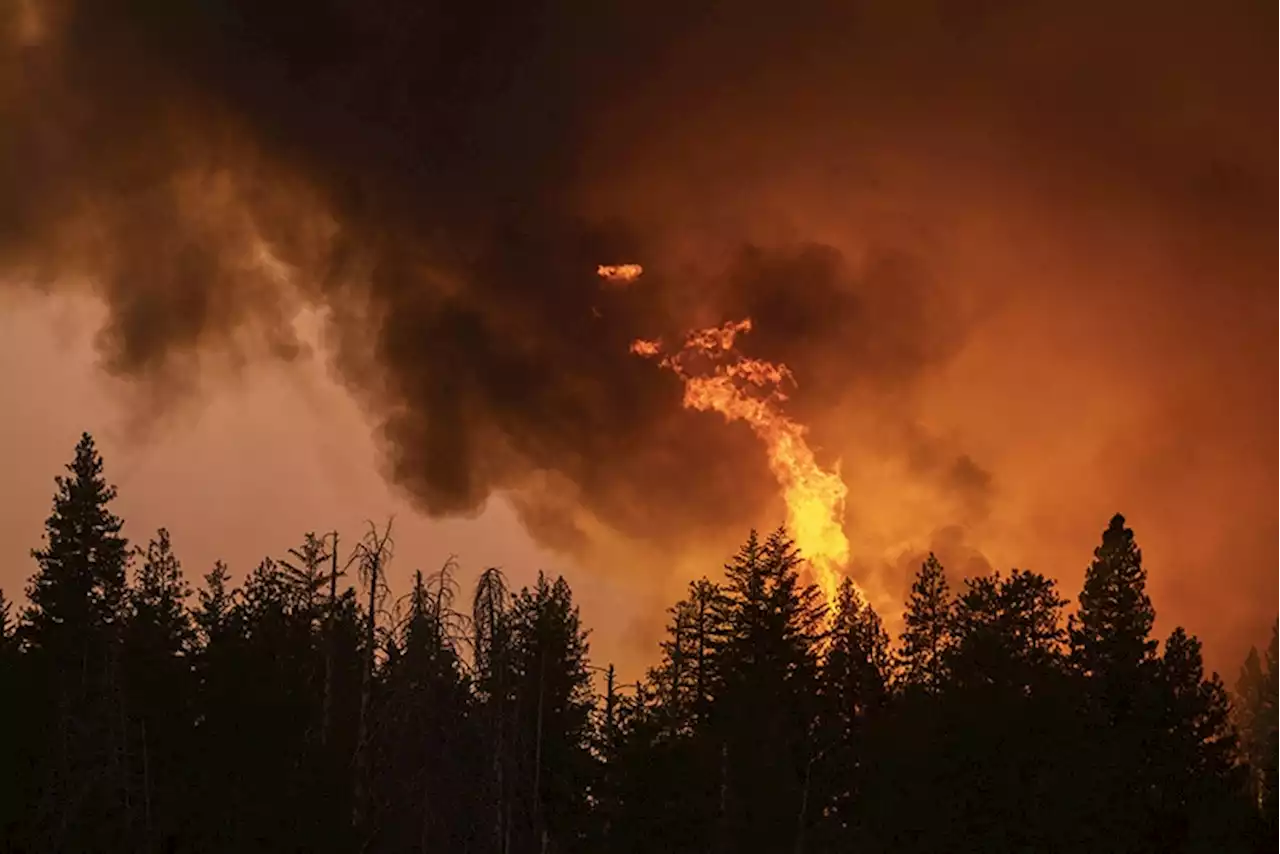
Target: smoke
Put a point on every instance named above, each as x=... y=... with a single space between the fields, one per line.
x=913 y=200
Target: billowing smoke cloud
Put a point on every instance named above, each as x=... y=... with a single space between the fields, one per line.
x=896 y=191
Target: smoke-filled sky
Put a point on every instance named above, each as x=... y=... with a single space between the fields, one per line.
x=1019 y=257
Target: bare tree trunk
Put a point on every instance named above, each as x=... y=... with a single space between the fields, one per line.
x=366 y=689
x=375 y=553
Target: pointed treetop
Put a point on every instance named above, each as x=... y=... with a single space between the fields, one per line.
x=1112 y=631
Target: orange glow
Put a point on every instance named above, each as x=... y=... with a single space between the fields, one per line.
x=622 y=274
x=719 y=379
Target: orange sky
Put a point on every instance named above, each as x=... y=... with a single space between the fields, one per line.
x=283 y=452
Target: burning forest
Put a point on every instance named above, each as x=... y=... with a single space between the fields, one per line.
x=928 y=289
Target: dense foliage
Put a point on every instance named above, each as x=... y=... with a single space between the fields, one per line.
x=310 y=709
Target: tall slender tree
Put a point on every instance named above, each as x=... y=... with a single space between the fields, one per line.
x=554 y=704
x=766 y=703
x=1111 y=632
x=853 y=687
x=158 y=639
x=72 y=627
x=927 y=634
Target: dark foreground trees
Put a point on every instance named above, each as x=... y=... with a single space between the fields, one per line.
x=298 y=713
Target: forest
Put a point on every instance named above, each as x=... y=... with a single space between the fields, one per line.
x=311 y=708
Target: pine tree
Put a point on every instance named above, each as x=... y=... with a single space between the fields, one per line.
x=853 y=687
x=1196 y=779
x=927 y=628
x=1111 y=633
x=663 y=767
x=492 y=664
x=72 y=628
x=77 y=596
x=306 y=573
x=216 y=604
x=426 y=781
x=1008 y=631
x=8 y=639
x=158 y=639
x=1113 y=652
x=1249 y=717
x=686 y=677
x=554 y=704
x=13 y=726
x=767 y=702
x=1270 y=782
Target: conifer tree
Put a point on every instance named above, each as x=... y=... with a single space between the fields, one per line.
x=8 y=638
x=686 y=677
x=1111 y=633
x=1249 y=715
x=1198 y=788
x=767 y=702
x=1008 y=630
x=494 y=679
x=552 y=726
x=215 y=606
x=1254 y=713
x=426 y=779
x=77 y=595
x=1112 y=650
x=927 y=633
x=72 y=628
x=158 y=639
x=853 y=687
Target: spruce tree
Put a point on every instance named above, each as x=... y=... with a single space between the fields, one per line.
x=72 y=628
x=554 y=703
x=1198 y=790
x=853 y=687
x=1008 y=631
x=927 y=633
x=1249 y=715
x=78 y=593
x=1111 y=633
x=427 y=778
x=766 y=707
x=1269 y=782
x=158 y=639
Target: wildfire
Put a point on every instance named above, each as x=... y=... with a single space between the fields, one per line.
x=621 y=274
x=718 y=378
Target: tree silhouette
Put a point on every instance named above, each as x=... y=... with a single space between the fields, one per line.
x=1111 y=633
x=287 y=713
x=159 y=681
x=72 y=629
x=769 y=665
x=927 y=631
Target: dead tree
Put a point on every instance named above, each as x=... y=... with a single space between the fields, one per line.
x=373 y=554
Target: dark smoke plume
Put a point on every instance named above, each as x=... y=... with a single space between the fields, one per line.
x=443 y=178
x=411 y=164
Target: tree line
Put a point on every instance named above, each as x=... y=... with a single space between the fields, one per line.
x=312 y=709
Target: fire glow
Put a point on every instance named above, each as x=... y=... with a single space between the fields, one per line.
x=717 y=378
x=619 y=274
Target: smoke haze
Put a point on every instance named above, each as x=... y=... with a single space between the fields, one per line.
x=1018 y=256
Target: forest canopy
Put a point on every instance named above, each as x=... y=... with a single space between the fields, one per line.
x=313 y=708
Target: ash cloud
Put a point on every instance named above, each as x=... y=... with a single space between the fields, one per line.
x=444 y=178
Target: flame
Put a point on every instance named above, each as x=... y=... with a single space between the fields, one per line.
x=719 y=379
x=623 y=274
